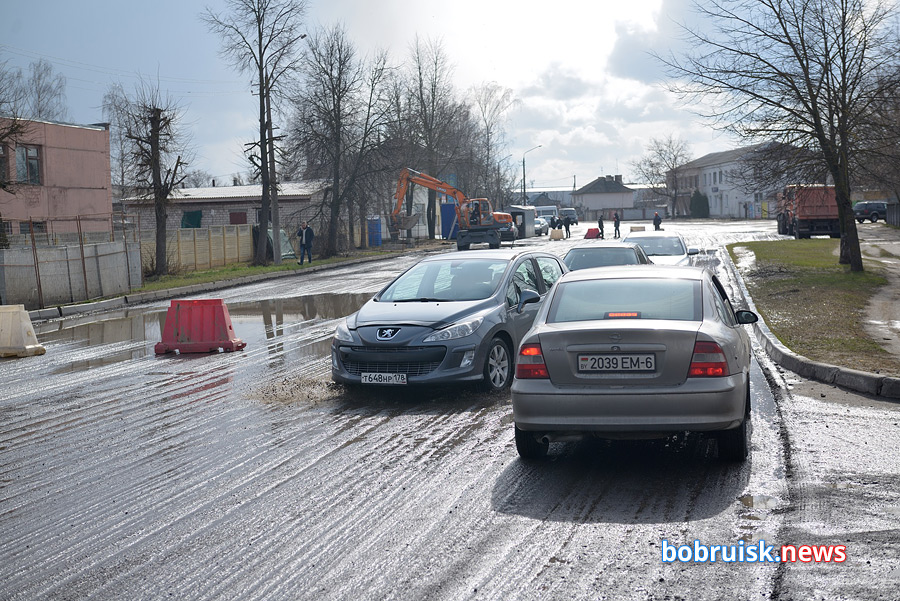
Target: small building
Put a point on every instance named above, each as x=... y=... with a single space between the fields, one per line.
x=228 y=205
x=56 y=171
x=603 y=196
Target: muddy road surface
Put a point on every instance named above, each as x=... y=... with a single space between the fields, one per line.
x=248 y=475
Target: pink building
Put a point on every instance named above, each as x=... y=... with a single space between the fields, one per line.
x=57 y=171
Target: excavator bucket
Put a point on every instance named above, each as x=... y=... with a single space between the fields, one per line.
x=408 y=221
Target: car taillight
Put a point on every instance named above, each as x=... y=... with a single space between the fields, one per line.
x=708 y=361
x=531 y=363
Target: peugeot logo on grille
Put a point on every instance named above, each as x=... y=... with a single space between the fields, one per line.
x=386 y=333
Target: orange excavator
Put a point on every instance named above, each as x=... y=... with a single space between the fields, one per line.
x=478 y=222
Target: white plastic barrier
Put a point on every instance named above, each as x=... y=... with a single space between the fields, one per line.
x=17 y=337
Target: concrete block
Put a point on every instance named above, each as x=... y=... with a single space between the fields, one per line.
x=860 y=381
x=17 y=337
x=890 y=388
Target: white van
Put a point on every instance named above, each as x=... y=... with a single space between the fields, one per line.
x=546 y=212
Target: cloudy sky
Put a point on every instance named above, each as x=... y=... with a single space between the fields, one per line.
x=588 y=92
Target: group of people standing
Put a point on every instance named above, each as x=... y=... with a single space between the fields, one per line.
x=615 y=225
x=565 y=222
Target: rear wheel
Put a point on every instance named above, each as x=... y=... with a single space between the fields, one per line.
x=529 y=447
x=462 y=247
x=734 y=445
x=497 y=367
x=874 y=217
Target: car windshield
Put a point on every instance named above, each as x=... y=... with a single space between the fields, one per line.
x=446 y=280
x=660 y=246
x=583 y=258
x=639 y=298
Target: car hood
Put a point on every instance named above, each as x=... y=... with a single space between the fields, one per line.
x=430 y=314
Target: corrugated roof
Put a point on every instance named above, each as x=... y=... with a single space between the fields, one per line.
x=252 y=191
x=720 y=158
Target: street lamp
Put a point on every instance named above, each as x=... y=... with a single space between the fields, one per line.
x=524 y=197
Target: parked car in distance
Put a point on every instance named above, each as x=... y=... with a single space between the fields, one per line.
x=663 y=248
x=509 y=232
x=634 y=352
x=605 y=253
x=570 y=213
x=872 y=210
x=541 y=226
x=449 y=318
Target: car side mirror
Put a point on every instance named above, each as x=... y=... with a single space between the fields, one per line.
x=527 y=296
x=693 y=251
x=746 y=317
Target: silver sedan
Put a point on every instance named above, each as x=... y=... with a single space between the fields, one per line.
x=638 y=351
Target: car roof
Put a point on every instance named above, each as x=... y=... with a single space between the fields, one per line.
x=652 y=234
x=636 y=271
x=508 y=254
x=598 y=244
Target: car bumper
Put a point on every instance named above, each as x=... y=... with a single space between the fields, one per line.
x=700 y=404
x=431 y=365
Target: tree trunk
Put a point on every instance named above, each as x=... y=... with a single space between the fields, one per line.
x=159 y=194
x=262 y=242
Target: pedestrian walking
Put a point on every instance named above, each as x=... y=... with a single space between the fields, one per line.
x=600 y=225
x=305 y=237
x=616 y=224
x=657 y=221
x=567 y=221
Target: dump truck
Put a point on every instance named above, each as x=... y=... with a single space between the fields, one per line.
x=808 y=210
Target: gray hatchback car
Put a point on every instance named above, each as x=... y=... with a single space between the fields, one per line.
x=638 y=351
x=454 y=317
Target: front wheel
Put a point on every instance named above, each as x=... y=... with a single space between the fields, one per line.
x=462 y=246
x=498 y=366
x=860 y=220
x=529 y=447
x=874 y=217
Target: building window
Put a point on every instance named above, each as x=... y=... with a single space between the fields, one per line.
x=191 y=219
x=40 y=227
x=237 y=218
x=28 y=165
x=4 y=165
x=715 y=181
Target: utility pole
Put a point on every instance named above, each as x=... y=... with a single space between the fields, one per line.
x=273 y=182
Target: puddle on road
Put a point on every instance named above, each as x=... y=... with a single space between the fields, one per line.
x=127 y=334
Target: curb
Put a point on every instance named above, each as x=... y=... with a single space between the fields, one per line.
x=859 y=381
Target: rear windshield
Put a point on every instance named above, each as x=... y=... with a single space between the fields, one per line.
x=660 y=247
x=579 y=258
x=626 y=299
x=450 y=280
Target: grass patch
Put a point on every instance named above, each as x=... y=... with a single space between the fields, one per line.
x=812 y=304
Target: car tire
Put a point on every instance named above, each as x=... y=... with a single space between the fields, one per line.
x=498 y=367
x=873 y=217
x=462 y=247
x=734 y=445
x=860 y=220
x=529 y=448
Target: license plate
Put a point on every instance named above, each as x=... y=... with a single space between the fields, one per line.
x=616 y=362
x=373 y=378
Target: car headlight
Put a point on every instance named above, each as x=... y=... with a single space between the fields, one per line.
x=342 y=332
x=457 y=330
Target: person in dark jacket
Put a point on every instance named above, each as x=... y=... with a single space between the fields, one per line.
x=616 y=225
x=567 y=221
x=305 y=237
x=657 y=221
x=600 y=225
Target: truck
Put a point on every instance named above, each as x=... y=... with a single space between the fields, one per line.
x=808 y=210
x=476 y=218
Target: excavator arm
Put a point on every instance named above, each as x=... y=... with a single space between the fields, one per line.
x=410 y=176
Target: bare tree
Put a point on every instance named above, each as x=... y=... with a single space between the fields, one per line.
x=434 y=114
x=262 y=38
x=802 y=73
x=156 y=157
x=491 y=103
x=198 y=178
x=44 y=92
x=340 y=113
x=661 y=168
x=12 y=126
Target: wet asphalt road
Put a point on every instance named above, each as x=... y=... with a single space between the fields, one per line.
x=247 y=475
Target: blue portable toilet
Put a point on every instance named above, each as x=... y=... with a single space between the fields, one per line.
x=449 y=224
x=374 y=227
